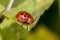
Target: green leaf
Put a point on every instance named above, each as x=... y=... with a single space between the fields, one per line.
x=35 y=8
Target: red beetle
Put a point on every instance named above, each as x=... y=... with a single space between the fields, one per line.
x=24 y=17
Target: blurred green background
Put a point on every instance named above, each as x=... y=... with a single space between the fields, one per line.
x=47 y=28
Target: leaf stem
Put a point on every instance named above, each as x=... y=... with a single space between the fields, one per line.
x=9 y=5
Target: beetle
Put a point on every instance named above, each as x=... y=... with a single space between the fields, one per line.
x=24 y=17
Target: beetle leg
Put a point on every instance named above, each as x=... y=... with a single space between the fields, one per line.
x=27 y=27
x=22 y=24
x=35 y=18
